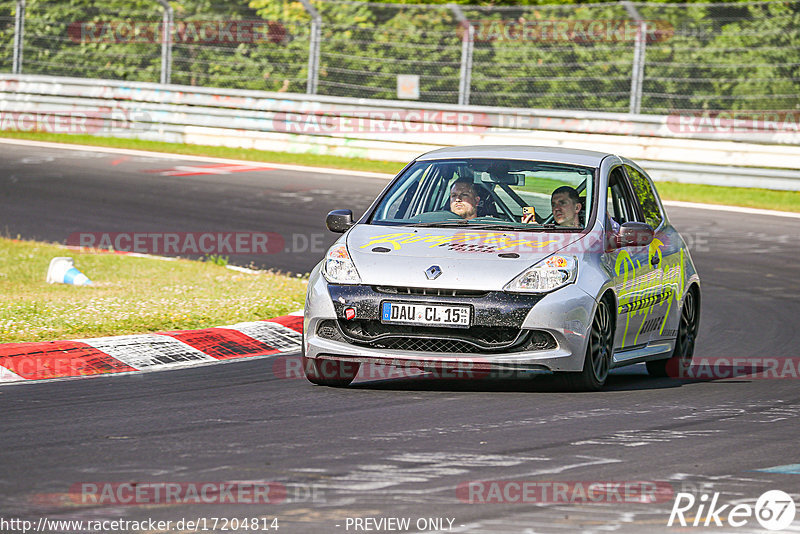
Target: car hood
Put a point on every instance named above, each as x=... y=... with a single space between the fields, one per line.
x=468 y=259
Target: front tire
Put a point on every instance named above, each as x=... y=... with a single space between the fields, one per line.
x=678 y=364
x=330 y=372
x=599 y=351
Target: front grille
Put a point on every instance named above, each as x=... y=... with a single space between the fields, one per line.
x=431 y=292
x=482 y=336
x=530 y=341
x=475 y=339
x=426 y=345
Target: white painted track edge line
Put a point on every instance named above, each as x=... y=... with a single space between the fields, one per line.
x=187 y=157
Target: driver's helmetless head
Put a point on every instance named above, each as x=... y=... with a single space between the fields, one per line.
x=566 y=206
x=464 y=199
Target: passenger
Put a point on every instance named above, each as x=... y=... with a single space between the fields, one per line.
x=566 y=204
x=464 y=199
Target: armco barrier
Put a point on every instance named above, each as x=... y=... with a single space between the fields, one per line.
x=678 y=147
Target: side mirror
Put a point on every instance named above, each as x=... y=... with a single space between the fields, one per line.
x=635 y=234
x=340 y=221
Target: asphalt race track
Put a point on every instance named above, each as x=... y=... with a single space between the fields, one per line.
x=396 y=447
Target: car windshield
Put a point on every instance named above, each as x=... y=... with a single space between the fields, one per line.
x=480 y=192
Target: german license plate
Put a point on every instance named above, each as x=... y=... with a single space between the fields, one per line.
x=424 y=314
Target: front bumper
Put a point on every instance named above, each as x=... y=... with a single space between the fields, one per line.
x=510 y=332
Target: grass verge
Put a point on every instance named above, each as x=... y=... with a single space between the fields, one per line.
x=708 y=194
x=769 y=199
x=130 y=295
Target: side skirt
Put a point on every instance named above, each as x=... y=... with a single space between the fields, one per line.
x=642 y=354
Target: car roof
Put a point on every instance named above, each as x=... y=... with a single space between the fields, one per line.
x=587 y=158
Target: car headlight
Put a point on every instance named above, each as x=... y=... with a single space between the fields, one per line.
x=545 y=276
x=338 y=267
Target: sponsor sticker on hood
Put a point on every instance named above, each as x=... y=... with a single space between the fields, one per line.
x=460 y=241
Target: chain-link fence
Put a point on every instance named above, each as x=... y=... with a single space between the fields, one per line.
x=616 y=56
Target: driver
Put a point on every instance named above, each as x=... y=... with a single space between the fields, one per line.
x=464 y=199
x=566 y=204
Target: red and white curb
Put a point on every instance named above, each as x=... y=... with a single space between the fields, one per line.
x=149 y=352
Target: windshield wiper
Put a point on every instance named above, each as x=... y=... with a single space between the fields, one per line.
x=476 y=226
x=461 y=222
x=490 y=226
x=487 y=226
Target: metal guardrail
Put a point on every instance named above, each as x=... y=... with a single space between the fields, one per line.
x=394 y=130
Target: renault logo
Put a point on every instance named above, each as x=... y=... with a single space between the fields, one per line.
x=433 y=272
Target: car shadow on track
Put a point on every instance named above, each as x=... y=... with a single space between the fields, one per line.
x=630 y=378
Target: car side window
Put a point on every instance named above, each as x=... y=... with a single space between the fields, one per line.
x=619 y=206
x=643 y=190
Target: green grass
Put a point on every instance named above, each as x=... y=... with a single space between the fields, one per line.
x=732 y=196
x=709 y=194
x=130 y=295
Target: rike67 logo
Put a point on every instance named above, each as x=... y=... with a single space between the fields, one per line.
x=774 y=510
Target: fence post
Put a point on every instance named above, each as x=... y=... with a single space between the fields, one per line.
x=19 y=36
x=637 y=78
x=313 y=47
x=166 y=43
x=639 y=49
x=467 y=44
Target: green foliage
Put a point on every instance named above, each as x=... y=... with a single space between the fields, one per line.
x=748 y=60
x=7 y=12
x=216 y=259
x=734 y=56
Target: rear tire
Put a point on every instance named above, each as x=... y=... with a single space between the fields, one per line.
x=330 y=372
x=681 y=359
x=599 y=349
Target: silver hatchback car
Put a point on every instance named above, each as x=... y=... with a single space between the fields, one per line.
x=498 y=260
